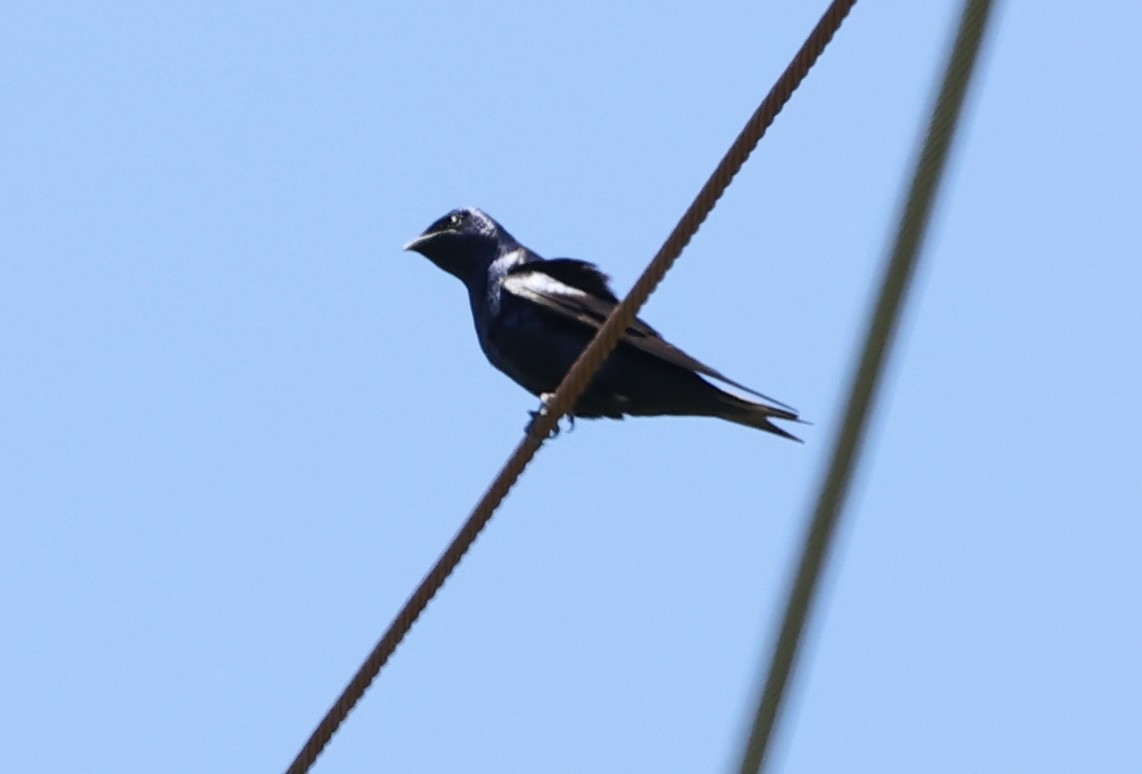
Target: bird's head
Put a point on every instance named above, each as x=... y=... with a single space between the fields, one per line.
x=463 y=243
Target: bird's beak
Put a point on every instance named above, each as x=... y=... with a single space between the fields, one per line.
x=416 y=243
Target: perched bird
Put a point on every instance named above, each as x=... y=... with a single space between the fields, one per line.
x=535 y=316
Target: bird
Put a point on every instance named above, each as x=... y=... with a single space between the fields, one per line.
x=534 y=316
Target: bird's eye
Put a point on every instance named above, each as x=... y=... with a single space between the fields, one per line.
x=455 y=220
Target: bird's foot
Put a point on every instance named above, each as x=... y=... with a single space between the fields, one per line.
x=544 y=401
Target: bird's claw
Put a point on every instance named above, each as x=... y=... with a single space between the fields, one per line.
x=542 y=410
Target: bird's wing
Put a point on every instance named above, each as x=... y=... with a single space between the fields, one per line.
x=578 y=291
x=577 y=275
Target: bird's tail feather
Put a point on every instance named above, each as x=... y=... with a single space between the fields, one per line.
x=759 y=415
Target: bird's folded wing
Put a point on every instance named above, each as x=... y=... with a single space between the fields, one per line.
x=577 y=290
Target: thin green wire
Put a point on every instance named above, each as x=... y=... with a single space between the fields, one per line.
x=897 y=280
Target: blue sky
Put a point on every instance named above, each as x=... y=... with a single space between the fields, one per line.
x=239 y=423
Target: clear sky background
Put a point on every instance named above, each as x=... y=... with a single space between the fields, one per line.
x=238 y=424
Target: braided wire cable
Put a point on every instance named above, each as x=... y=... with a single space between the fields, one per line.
x=576 y=381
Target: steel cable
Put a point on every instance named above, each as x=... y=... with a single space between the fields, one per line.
x=576 y=380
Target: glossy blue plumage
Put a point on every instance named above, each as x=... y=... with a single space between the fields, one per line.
x=534 y=316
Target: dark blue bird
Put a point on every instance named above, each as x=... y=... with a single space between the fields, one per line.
x=534 y=316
